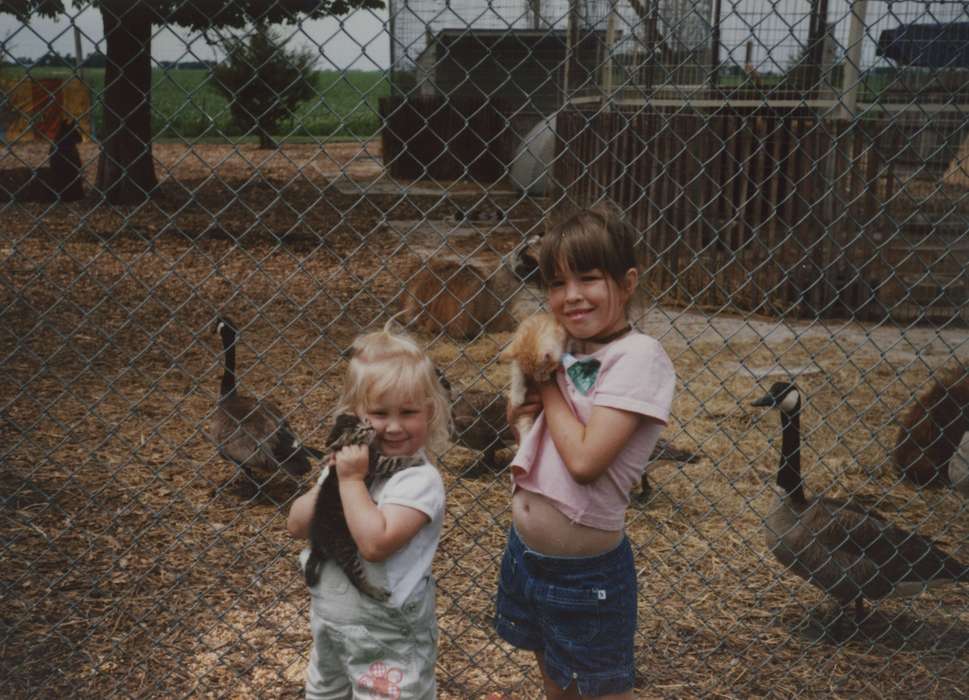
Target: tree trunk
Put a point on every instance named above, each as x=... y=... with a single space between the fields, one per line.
x=265 y=138
x=126 y=169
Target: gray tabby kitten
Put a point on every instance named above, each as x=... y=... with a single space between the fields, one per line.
x=329 y=535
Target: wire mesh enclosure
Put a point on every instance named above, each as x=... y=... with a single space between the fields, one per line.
x=798 y=176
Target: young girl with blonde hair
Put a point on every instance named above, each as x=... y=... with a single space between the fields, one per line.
x=567 y=588
x=362 y=645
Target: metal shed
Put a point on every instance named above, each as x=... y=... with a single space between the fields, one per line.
x=523 y=68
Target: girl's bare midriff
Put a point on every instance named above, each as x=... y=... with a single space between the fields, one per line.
x=545 y=529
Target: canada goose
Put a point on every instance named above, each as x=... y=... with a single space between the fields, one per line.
x=249 y=433
x=844 y=550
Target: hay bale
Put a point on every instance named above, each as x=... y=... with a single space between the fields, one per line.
x=460 y=297
x=931 y=429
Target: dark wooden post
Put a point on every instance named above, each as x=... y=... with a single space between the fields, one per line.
x=715 y=46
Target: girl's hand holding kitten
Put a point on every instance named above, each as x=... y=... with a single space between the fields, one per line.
x=353 y=463
x=532 y=407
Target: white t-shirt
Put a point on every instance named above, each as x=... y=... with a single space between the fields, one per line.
x=408 y=569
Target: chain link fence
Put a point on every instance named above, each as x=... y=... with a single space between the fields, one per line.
x=799 y=173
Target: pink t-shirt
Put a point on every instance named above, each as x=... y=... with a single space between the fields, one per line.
x=636 y=375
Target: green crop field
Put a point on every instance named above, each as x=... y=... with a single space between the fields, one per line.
x=186 y=105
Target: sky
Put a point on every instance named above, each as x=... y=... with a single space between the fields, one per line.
x=358 y=41
x=361 y=41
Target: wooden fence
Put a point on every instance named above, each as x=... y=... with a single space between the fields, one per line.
x=768 y=210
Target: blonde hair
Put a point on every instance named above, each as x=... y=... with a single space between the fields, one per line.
x=590 y=239
x=383 y=363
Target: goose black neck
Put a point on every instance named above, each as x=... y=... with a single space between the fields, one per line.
x=789 y=471
x=229 y=370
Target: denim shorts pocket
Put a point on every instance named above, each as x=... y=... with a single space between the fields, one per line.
x=572 y=614
x=508 y=574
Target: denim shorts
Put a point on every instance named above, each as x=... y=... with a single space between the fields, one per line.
x=579 y=613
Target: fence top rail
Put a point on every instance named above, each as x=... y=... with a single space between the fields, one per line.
x=819 y=105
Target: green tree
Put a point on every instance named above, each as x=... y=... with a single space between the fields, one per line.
x=95 y=59
x=263 y=81
x=52 y=59
x=126 y=170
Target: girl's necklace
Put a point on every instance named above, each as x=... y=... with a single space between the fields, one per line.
x=603 y=339
x=581 y=347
